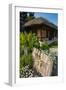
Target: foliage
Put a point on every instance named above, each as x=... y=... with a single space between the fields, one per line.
x=53 y=44
x=27 y=42
x=24 y=17
x=45 y=46
x=35 y=41
x=26 y=60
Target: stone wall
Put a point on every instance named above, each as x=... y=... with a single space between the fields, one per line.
x=42 y=62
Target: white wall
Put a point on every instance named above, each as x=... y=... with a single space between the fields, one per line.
x=4 y=44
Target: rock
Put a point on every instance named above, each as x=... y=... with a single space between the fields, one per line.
x=42 y=62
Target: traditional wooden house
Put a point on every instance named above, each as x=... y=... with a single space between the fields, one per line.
x=42 y=27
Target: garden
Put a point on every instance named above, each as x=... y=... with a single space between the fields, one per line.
x=29 y=41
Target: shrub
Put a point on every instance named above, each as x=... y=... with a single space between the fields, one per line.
x=35 y=41
x=27 y=42
x=26 y=60
x=23 y=40
x=53 y=44
x=45 y=46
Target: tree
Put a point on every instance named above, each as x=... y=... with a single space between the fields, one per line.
x=24 y=17
x=30 y=16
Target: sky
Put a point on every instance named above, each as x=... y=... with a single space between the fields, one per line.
x=52 y=17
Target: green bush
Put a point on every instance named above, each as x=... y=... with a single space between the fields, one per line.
x=32 y=41
x=26 y=60
x=27 y=42
x=45 y=46
x=35 y=41
x=53 y=44
x=23 y=40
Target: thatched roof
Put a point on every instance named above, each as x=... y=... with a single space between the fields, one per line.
x=39 y=21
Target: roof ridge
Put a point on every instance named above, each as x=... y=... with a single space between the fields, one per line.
x=40 y=20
